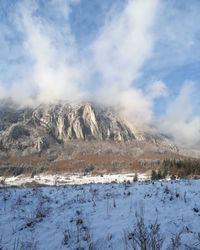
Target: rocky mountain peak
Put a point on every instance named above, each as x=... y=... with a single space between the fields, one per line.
x=36 y=129
x=82 y=121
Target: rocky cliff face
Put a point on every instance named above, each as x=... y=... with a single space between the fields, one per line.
x=84 y=122
x=35 y=130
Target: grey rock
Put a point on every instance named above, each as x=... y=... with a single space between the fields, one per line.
x=37 y=129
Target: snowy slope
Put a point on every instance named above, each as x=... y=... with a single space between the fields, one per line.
x=99 y=216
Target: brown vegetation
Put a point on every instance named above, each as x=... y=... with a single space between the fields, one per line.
x=106 y=160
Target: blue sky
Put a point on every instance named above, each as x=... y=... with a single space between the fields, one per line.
x=140 y=55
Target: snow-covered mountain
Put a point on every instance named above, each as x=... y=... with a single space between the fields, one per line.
x=36 y=129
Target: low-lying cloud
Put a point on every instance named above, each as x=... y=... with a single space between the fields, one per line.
x=181 y=120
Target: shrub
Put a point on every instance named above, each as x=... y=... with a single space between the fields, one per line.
x=156 y=175
x=143 y=236
x=153 y=175
x=135 y=178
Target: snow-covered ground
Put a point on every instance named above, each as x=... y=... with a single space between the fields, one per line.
x=69 y=179
x=101 y=216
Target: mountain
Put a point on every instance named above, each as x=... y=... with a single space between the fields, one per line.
x=36 y=130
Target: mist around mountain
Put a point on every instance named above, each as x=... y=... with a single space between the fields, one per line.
x=37 y=129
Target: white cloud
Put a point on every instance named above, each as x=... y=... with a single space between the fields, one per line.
x=53 y=68
x=56 y=70
x=157 y=89
x=181 y=120
x=124 y=44
x=3 y=91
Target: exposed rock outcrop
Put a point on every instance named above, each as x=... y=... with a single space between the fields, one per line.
x=84 y=122
x=39 y=128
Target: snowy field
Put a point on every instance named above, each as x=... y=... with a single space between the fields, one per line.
x=159 y=215
x=71 y=179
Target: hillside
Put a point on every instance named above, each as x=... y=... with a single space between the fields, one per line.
x=72 y=137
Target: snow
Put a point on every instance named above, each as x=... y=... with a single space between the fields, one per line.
x=98 y=216
x=68 y=179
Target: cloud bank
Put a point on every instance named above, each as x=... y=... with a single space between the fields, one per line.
x=56 y=70
x=53 y=70
x=181 y=120
x=120 y=50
